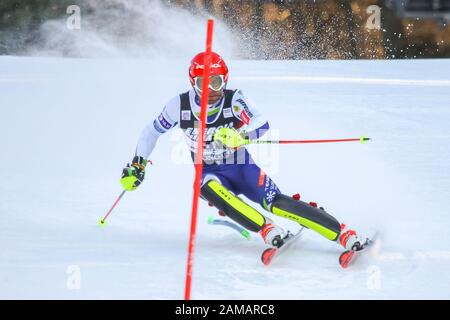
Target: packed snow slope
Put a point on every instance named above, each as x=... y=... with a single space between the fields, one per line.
x=68 y=126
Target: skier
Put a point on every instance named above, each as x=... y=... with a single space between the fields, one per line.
x=229 y=172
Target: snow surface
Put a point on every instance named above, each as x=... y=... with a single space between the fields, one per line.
x=68 y=126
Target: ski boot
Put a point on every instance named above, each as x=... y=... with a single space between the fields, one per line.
x=349 y=239
x=273 y=235
x=353 y=245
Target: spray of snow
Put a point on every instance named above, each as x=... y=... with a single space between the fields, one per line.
x=131 y=29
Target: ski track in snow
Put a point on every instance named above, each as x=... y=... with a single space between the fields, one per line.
x=68 y=126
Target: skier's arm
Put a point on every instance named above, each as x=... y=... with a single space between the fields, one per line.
x=254 y=124
x=166 y=120
x=132 y=176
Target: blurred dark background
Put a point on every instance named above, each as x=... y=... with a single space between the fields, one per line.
x=290 y=29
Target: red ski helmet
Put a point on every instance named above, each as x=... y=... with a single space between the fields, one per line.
x=218 y=67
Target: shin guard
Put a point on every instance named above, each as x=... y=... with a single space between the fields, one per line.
x=306 y=215
x=232 y=206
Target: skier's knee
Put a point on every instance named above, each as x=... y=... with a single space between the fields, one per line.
x=210 y=177
x=268 y=197
x=207 y=178
x=232 y=206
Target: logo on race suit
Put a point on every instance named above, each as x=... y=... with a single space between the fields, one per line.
x=158 y=127
x=236 y=109
x=270 y=196
x=192 y=133
x=271 y=190
x=244 y=117
x=227 y=113
x=211 y=152
x=246 y=108
x=185 y=115
x=261 y=179
x=163 y=122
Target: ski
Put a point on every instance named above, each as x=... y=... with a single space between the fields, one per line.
x=270 y=253
x=245 y=233
x=349 y=256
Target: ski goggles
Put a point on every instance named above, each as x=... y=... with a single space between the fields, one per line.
x=216 y=83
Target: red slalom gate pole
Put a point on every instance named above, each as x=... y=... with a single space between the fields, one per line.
x=199 y=158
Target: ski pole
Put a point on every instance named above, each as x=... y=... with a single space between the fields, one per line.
x=231 y=138
x=361 y=139
x=102 y=221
